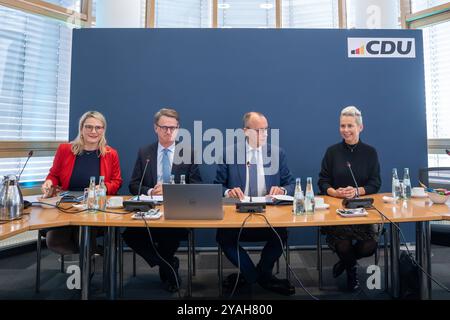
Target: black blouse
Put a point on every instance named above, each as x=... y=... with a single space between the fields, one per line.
x=363 y=159
x=86 y=165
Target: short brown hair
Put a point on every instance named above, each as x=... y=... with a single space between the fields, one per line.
x=248 y=115
x=171 y=113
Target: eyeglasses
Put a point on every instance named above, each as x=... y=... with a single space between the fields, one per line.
x=91 y=127
x=167 y=128
x=260 y=130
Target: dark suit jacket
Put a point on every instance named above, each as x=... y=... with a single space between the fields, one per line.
x=234 y=175
x=150 y=152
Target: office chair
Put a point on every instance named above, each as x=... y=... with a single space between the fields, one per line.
x=220 y=265
x=386 y=258
x=437 y=178
x=40 y=237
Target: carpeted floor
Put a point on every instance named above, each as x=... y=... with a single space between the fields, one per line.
x=17 y=278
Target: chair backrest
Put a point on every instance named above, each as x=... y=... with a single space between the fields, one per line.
x=435 y=177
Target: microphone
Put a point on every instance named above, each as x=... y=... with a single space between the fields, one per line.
x=356 y=202
x=26 y=203
x=139 y=205
x=349 y=166
x=250 y=207
x=30 y=154
x=249 y=185
x=142 y=178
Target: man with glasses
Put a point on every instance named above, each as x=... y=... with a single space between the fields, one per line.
x=255 y=177
x=160 y=157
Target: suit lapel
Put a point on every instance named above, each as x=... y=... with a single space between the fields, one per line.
x=154 y=163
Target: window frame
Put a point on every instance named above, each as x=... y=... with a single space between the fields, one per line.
x=424 y=18
x=18 y=149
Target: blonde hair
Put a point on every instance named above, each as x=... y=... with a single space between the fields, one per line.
x=78 y=142
x=352 y=111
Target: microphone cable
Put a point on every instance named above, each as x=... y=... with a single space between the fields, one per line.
x=238 y=255
x=285 y=256
x=409 y=252
x=162 y=259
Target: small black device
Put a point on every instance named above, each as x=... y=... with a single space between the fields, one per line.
x=357 y=203
x=250 y=207
x=70 y=199
x=138 y=205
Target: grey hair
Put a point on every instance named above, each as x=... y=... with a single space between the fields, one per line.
x=352 y=111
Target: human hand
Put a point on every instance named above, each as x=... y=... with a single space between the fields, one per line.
x=276 y=191
x=157 y=190
x=47 y=189
x=236 y=193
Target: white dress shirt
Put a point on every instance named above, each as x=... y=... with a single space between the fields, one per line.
x=159 y=166
x=259 y=169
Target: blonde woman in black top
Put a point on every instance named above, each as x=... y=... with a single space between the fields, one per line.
x=350 y=242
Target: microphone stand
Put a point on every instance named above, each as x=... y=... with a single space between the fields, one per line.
x=250 y=207
x=138 y=204
x=356 y=202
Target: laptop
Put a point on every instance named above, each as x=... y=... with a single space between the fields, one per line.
x=192 y=201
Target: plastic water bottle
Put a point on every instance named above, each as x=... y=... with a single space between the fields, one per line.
x=396 y=192
x=172 y=179
x=101 y=193
x=91 y=200
x=309 y=196
x=182 y=179
x=299 y=199
x=406 y=184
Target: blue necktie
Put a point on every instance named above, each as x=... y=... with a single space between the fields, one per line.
x=253 y=175
x=166 y=166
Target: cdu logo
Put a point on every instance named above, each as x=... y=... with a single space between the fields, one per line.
x=381 y=47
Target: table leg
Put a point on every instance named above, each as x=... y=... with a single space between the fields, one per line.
x=423 y=257
x=395 y=255
x=85 y=259
x=112 y=237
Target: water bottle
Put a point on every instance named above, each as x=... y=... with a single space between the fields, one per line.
x=101 y=194
x=396 y=192
x=91 y=200
x=182 y=179
x=299 y=199
x=172 y=179
x=309 y=196
x=406 y=184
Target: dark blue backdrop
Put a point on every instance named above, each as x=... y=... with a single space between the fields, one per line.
x=300 y=79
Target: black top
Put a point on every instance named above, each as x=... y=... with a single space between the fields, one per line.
x=86 y=165
x=363 y=159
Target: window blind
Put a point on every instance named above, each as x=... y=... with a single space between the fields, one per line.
x=246 y=14
x=419 y=5
x=183 y=14
x=310 y=14
x=35 y=54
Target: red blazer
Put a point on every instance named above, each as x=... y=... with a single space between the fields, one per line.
x=64 y=161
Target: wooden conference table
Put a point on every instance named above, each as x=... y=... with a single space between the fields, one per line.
x=419 y=210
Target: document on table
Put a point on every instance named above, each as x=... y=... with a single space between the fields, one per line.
x=144 y=197
x=269 y=199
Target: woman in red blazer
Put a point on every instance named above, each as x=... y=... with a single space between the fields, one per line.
x=74 y=163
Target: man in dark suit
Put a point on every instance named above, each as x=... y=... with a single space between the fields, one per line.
x=255 y=177
x=163 y=161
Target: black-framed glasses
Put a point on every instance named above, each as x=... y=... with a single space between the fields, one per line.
x=259 y=130
x=167 y=128
x=90 y=127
